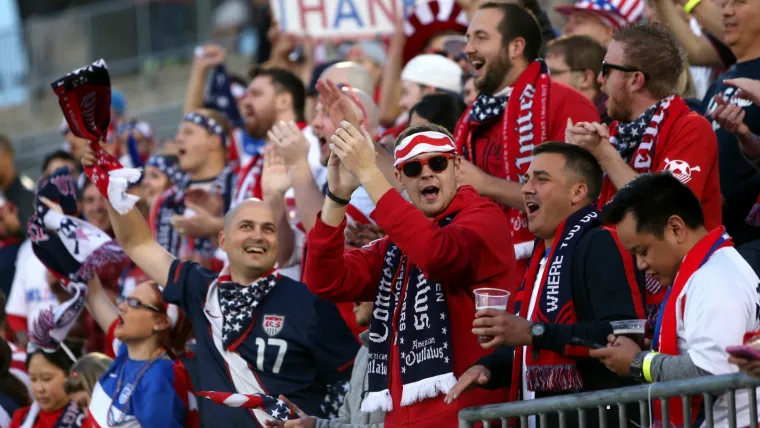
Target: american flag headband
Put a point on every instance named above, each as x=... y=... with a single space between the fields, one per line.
x=354 y=99
x=209 y=124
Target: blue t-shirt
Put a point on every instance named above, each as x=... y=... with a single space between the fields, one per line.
x=307 y=348
x=739 y=180
x=154 y=401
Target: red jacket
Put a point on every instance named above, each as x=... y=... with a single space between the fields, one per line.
x=474 y=250
x=693 y=142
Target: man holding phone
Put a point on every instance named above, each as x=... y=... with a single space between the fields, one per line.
x=579 y=280
x=712 y=302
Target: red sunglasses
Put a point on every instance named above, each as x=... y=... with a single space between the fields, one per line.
x=437 y=164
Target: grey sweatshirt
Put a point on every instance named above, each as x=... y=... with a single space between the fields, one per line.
x=349 y=415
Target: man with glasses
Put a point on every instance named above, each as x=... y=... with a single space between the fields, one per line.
x=576 y=61
x=653 y=129
x=421 y=275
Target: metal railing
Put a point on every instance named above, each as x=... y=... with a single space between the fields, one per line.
x=622 y=398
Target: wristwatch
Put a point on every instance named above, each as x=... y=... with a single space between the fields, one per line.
x=637 y=367
x=537 y=330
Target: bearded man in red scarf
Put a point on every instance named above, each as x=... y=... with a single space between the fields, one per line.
x=518 y=108
x=421 y=275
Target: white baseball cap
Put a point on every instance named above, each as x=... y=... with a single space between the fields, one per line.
x=434 y=70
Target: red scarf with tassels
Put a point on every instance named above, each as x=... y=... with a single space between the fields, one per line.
x=525 y=125
x=666 y=332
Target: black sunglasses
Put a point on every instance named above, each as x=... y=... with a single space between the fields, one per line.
x=437 y=164
x=606 y=67
x=133 y=302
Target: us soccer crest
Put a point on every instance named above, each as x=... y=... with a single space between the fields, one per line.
x=273 y=324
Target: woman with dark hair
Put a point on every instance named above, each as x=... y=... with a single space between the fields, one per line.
x=439 y=109
x=13 y=392
x=51 y=407
x=146 y=385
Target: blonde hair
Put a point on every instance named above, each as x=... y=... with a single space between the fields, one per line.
x=84 y=374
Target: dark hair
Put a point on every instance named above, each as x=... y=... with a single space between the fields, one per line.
x=284 y=80
x=518 y=22
x=653 y=199
x=2 y=309
x=236 y=78
x=9 y=383
x=421 y=128
x=578 y=160
x=174 y=339
x=654 y=50
x=61 y=155
x=581 y=53
x=441 y=109
x=59 y=358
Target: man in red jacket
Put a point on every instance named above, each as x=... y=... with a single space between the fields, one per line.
x=438 y=249
x=653 y=130
x=519 y=107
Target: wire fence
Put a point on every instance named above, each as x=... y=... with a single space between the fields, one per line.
x=575 y=410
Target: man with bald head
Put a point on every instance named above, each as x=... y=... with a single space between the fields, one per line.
x=352 y=74
x=256 y=331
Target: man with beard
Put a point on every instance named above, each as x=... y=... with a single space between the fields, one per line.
x=653 y=129
x=519 y=107
x=439 y=248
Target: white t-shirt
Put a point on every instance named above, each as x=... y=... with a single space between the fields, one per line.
x=721 y=302
x=30 y=291
x=526 y=393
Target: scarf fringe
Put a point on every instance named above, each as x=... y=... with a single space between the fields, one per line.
x=107 y=254
x=556 y=378
x=377 y=401
x=118 y=183
x=427 y=388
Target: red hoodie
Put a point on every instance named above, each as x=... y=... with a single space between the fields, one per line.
x=474 y=250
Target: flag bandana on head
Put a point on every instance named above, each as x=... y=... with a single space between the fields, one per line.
x=167 y=167
x=221 y=96
x=274 y=407
x=85 y=99
x=421 y=143
x=207 y=123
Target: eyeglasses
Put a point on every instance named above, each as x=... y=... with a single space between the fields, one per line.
x=606 y=67
x=437 y=164
x=135 y=303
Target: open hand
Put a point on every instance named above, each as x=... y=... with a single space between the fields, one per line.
x=476 y=375
x=730 y=117
x=291 y=144
x=748 y=88
x=340 y=181
x=338 y=106
x=274 y=175
x=200 y=224
x=208 y=56
x=355 y=149
x=618 y=355
x=211 y=203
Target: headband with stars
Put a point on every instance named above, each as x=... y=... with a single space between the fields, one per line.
x=209 y=124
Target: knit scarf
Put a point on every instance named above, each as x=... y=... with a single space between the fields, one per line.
x=524 y=127
x=549 y=371
x=172 y=202
x=85 y=99
x=412 y=312
x=666 y=331
x=71 y=417
x=238 y=304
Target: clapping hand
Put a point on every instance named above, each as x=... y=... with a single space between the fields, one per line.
x=748 y=88
x=587 y=135
x=274 y=175
x=291 y=144
x=355 y=150
x=730 y=117
x=337 y=105
x=208 y=56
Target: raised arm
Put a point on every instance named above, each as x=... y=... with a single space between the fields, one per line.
x=205 y=58
x=99 y=305
x=135 y=238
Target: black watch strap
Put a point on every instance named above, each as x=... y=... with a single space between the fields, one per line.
x=337 y=199
x=637 y=367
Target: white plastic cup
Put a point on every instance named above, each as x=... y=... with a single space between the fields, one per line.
x=490 y=298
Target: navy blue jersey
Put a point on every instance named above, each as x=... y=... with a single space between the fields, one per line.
x=298 y=344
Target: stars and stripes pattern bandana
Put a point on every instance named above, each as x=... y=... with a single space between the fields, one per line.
x=238 y=302
x=274 y=407
x=487 y=107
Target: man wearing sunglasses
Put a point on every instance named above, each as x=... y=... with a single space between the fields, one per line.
x=421 y=275
x=653 y=129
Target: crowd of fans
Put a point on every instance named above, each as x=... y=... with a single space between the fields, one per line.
x=305 y=251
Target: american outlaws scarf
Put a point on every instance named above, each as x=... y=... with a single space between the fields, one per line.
x=72 y=417
x=524 y=127
x=172 y=202
x=666 y=332
x=547 y=370
x=412 y=312
x=85 y=99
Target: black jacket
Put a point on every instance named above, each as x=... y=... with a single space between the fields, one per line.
x=601 y=293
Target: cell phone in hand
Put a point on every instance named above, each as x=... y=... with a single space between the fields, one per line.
x=744 y=351
x=585 y=343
